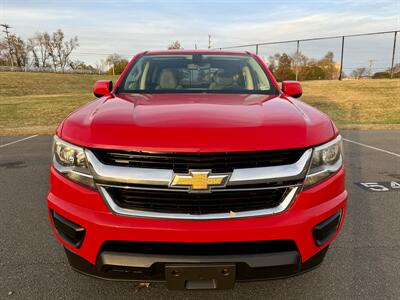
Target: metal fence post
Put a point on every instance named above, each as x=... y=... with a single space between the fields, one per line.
x=297 y=60
x=341 y=60
x=257 y=49
x=393 y=55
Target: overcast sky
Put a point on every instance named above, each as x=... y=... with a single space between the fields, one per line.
x=127 y=27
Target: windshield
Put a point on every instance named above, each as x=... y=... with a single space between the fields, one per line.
x=196 y=73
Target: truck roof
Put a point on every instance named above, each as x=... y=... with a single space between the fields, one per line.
x=188 y=51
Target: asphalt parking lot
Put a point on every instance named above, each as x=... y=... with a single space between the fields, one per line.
x=364 y=262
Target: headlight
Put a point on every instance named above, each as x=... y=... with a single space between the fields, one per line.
x=71 y=162
x=326 y=160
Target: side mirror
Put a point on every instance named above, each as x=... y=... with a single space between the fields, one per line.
x=102 y=88
x=292 y=88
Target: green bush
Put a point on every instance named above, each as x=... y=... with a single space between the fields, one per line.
x=312 y=72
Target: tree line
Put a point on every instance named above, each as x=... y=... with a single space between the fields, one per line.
x=284 y=67
x=43 y=50
x=51 y=51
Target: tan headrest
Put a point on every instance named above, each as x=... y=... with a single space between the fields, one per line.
x=168 y=79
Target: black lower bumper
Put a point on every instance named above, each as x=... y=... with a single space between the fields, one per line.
x=157 y=267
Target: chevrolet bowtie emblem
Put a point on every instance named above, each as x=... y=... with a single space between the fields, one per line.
x=199 y=180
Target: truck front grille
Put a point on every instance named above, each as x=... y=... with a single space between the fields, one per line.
x=221 y=201
x=142 y=183
x=182 y=162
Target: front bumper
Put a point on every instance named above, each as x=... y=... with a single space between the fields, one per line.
x=86 y=208
x=155 y=268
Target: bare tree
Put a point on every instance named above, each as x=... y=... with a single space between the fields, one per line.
x=4 y=58
x=101 y=66
x=299 y=58
x=59 y=50
x=31 y=48
x=8 y=44
x=43 y=39
x=41 y=51
x=273 y=62
x=175 y=45
x=18 y=49
x=359 y=72
x=51 y=49
x=38 y=47
x=113 y=58
x=64 y=51
x=117 y=63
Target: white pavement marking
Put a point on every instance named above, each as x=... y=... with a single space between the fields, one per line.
x=371 y=147
x=17 y=141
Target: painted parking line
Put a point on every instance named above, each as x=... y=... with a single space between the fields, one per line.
x=380 y=186
x=17 y=141
x=372 y=147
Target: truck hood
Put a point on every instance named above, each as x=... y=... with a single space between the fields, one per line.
x=197 y=123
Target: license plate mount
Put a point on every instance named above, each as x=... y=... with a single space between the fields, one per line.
x=200 y=276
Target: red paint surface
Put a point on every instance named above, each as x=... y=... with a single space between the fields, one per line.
x=87 y=208
x=102 y=88
x=292 y=88
x=196 y=123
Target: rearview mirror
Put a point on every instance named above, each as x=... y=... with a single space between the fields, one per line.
x=292 y=88
x=102 y=88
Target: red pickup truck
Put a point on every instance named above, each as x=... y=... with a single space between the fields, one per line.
x=196 y=169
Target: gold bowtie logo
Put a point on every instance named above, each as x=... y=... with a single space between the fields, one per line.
x=199 y=180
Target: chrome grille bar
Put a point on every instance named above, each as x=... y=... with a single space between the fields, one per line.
x=215 y=216
x=131 y=175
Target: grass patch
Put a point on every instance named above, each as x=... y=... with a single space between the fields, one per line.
x=35 y=103
x=368 y=104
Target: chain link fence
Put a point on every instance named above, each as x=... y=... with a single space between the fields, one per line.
x=373 y=53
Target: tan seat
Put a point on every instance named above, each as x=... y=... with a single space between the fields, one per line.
x=223 y=80
x=167 y=80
